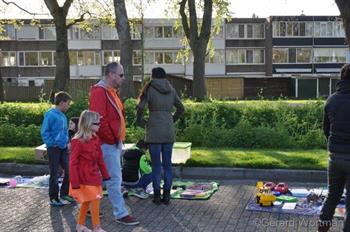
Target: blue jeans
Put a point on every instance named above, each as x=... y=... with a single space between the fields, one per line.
x=155 y=149
x=111 y=156
x=144 y=181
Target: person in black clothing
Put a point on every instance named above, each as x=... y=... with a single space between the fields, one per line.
x=73 y=127
x=336 y=126
x=136 y=172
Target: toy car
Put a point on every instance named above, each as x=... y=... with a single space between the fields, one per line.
x=282 y=188
x=270 y=185
x=265 y=197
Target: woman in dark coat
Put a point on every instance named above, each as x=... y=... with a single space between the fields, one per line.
x=160 y=98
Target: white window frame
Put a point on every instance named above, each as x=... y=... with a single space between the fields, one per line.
x=245 y=55
x=296 y=54
x=115 y=53
x=8 y=55
x=245 y=37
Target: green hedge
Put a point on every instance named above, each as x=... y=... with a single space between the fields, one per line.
x=250 y=124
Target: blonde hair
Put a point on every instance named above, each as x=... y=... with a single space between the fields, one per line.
x=86 y=121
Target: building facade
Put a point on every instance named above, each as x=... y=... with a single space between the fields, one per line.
x=307 y=50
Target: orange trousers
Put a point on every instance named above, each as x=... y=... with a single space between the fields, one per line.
x=95 y=212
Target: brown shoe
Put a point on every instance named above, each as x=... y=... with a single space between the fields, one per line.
x=128 y=220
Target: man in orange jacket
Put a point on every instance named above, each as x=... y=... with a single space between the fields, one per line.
x=105 y=100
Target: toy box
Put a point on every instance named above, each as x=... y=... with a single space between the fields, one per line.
x=41 y=154
x=181 y=151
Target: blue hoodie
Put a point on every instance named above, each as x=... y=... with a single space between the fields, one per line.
x=54 y=130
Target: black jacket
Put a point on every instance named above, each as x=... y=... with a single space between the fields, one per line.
x=336 y=123
x=131 y=166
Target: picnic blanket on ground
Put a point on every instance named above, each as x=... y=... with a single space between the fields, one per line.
x=302 y=206
x=27 y=182
x=190 y=190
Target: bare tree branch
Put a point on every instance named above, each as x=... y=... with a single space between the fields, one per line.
x=81 y=19
x=22 y=9
x=184 y=18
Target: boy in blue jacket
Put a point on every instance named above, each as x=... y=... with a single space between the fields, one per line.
x=54 y=133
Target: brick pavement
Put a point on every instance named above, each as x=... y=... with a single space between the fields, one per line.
x=28 y=210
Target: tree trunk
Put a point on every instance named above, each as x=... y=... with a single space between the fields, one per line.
x=344 y=8
x=199 y=89
x=2 y=97
x=62 y=74
x=126 y=50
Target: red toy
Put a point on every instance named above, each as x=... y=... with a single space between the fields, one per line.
x=270 y=185
x=282 y=188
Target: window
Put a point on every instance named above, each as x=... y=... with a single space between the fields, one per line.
x=168 y=32
x=109 y=32
x=46 y=58
x=28 y=32
x=330 y=55
x=76 y=33
x=241 y=31
x=329 y=29
x=245 y=56
x=168 y=58
x=137 y=58
x=47 y=32
x=73 y=57
x=135 y=31
x=84 y=58
x=218 y=58
x=292 y=29
x=245 y=31
x=283 y=29
x=31 y=58
x=303 y=55
x=90 y=35
x=31 y=83
x=158 y=57
x=162 y=57
x=110 y=56
x=280 y=55
x=8 y=32
x=158 y=32
x=73 y=33
x=291 y=55
x=148 y=32
x=8 y=58
x=338 y=29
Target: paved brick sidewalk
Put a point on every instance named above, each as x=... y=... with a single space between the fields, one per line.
x=29 y=210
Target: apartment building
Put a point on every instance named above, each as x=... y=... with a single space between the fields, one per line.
x=307 y=50
x=311 y=50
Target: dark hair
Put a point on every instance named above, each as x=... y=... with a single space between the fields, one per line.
x=142 y=144
x=144 y=91
x=345 y=72
x=111 y=67
x=75 y=120
x=62 y=97
x=158 y=73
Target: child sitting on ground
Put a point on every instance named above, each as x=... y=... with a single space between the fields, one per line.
x=136 y=172
x=86 y=167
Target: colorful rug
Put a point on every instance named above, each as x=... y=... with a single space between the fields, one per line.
x=193 y=190
x=302 y=207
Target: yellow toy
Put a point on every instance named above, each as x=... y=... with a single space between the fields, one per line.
x=264 y=196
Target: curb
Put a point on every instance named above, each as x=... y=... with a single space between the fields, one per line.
x=276 y=175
